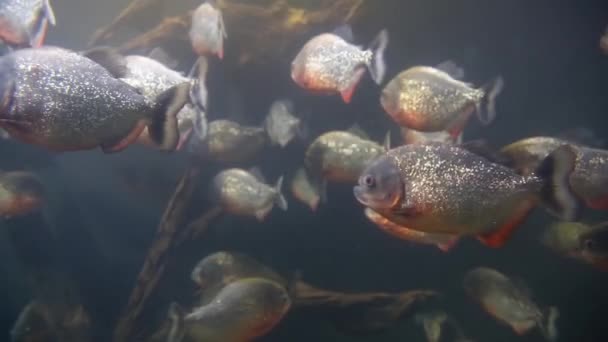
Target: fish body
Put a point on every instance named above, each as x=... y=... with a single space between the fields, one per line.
x=589 y=180
x=281 y=124
x=587 y=243
x=340 y=156
x=241 y=311
x=441 y=188
x=240 y=192
x=444 y=242
x=207 y=30
x=151 y=78
x=64 y=101
x=24 y=23
x=223 y=267
x=412 y=136
x=230 y=142
x=428 y=99
x=509 y=302
x=329 y=64
x=20 y=193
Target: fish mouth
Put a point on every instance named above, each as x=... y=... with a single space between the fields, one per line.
x=360 y=194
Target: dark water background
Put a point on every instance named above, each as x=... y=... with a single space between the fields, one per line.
x=556 y=78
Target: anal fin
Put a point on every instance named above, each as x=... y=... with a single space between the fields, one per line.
x=499 y=237
x=126 y=141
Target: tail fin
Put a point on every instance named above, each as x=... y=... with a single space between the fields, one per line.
x=280 y=200
x=177 y=331
x=556 y=193
x=377 y=66
x=163 y=130
x=548 y=326
x=491 y=91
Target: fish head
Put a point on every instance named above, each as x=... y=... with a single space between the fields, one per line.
x=595 y=243
x=379 y=185
x=13 y=32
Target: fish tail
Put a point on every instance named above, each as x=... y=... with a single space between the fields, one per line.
x=490 y=91
x=377 y=66
x=547 y=324
x=176 y=316
x=163 y=129
x=556 y=192
x=280 y=200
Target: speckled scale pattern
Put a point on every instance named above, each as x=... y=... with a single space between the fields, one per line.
x=501 y=295
x=454 y=191
x=152 y=78
x=68 y=100
x=231 y=142
x=427 y=99
x=331 y=61
x=340 y=156
x=590 y=177
x=22 y=11
x=238 y=191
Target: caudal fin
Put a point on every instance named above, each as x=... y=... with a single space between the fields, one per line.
x=280 y=200
x=548 y=325
x=556 y=193
x=491 y=92
x=176 y=316
x=377 y=66
x=163 y=129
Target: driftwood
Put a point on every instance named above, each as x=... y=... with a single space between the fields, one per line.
x=156 y=259
x=257 y=32
x=360 y=313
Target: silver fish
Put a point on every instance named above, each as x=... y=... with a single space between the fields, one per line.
x=24 y=23
x=64 y=101
x=281 y=124
x=329 y=64
x=241 y=192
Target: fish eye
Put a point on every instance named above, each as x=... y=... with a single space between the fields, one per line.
x=369 y=181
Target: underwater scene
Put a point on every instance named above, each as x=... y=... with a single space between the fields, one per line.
x=303 y=170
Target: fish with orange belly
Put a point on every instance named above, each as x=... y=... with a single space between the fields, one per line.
x=330 y=64
x=441 y=188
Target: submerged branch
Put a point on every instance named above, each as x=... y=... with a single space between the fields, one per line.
x=156 y=258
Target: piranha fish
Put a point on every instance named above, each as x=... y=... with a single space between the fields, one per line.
x=589 y=180
x=444 y=242
x=241 y=311
x=241 y=192
x=339 y=156
x=24 y=23
x=428 y=99
x=329 y=63
x=219 y=269
x=304 y=190
x=152 y=78
x=229 y=142
x=207 y=30
x=64 y=101
x=412 y=136
x=20 y=193
x=510 y=302
x=282 y=125
x=587 y=243
x=441 y=188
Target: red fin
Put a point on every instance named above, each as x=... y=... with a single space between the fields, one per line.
x=220 y=53
x=522 y=328
x=458 y=125
x=126 y=141
x=183 y=138
x=347 y=94
x=498 y=238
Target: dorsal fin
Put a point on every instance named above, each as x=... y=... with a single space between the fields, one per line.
x=257 y=173
x=109 y=58
x=452 y=69
x=355 y=129
x=345 y=32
